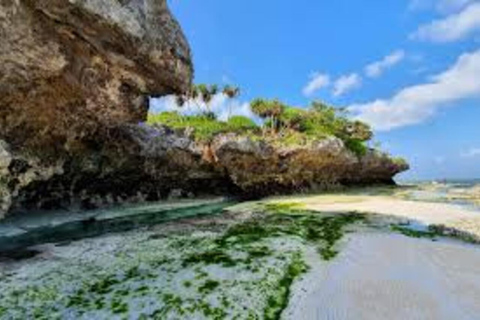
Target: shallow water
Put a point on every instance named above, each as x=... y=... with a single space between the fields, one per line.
x=33 y=229
x=463 y=193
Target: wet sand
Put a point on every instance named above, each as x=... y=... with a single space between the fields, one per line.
x=389 y=276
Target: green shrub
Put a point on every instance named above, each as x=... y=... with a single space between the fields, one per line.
x=241 y=123
x=356 y=146
x=282 y=124
x=400 y=161
x=169 y=118
x=205 y=126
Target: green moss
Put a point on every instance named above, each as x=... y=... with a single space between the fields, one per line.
x=78 y=299
x=133 y=272
x=216 y=256
x=280 y=207
x=104 y=285
x=172 y=301
x=280 y=220
x=443 y=231
x=412 y=233
x=258 y=252
x=117 y=306
x=208 y=286
x=278 y=302
x=210 y=312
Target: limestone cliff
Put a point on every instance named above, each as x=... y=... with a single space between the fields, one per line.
x=71 y=68
x=71 y=71
x=75 y=77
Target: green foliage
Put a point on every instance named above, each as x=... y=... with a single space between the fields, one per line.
x=359 y=131
x=231 y=91
x=282 y=124
x=400 y=161
x=294 y=118
x=205 y=126
x=241 y=123
x=356 y=146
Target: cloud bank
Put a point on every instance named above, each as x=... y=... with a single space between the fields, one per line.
x=317 y=81
x=442 y=6
x=452 y=28
x=376 y=69
x=415 y=104
x=346 y=83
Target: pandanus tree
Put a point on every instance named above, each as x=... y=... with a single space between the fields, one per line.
x=359 y=131
x=294 y=118
x=203 y=94
x=271 y=110
x=231 y=91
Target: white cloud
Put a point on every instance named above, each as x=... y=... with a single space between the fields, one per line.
x=452 y=28
x=442 y=6
x=346 y=83
x=376 y=69
x=415 y=104
x=220 y=104
x=452 y=5
x=317 y=82
x=471 y=153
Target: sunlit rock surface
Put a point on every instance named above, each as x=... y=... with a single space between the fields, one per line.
x=71 y=73
x=75 y=78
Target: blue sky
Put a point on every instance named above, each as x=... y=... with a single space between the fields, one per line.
x=411 y=68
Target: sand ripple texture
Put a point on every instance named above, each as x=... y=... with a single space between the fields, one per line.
x=388 y=276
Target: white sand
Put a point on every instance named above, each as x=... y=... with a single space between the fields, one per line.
x=389 y=276
x=426 y=212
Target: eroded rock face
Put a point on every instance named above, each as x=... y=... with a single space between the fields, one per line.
x=70 y=68
x=259 y=168
x=75 y=76
x=71 y=73
x=141 y=163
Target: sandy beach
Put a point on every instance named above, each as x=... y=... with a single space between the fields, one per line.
x=384 y=276
x=381 y=275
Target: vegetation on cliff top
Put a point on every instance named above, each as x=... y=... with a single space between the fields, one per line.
x=276 y=121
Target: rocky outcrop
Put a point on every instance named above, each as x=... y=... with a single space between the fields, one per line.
x=71 y=73
x=142 y=163
x=70 y=68
x=257 y=167
x=75 y=77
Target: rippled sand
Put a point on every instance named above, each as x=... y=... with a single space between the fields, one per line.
x=388 y=276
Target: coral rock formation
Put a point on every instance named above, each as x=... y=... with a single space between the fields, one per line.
x=75 y=77
x=70 y=68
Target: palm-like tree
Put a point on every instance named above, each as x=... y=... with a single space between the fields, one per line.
x=231 y=91
x=268 y=109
